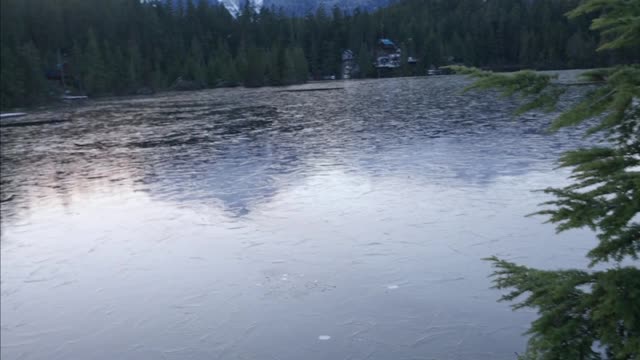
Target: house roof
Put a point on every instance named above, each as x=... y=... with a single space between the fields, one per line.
x=387 y=42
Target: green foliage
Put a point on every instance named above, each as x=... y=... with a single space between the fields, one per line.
x=254 y=74
x=526 y=84
x=136 y=44
x=11 y=81
x=619 y=22
x=580 y=312
x=365 y=61
x=21 y=79
x=135 y=66
x=300 y=65
x=96 y=70
x=587 y=314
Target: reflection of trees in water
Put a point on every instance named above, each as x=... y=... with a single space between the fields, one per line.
x=436 y=132
x=186 y=147
x=172 y=157
x=232 y=160
x=239 y=174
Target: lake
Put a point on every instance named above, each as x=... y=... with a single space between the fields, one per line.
x=274 y=223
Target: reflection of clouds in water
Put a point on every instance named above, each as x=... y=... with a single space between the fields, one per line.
x=360 y=214
x=210 y=147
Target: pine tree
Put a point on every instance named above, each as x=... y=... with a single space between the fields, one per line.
x=214 y=72
x=365 y=61
x=12 y=89
x=255 y=71
x=96 y=79
x=525 y=56
x=116 y=74
x=32 y=74
x=77 y=67
x=301 y=65
x=288 y=64
x=230 y=74
x=158 y=41
x=225 y=67
x=592 y=313
x=277 y=67
x=134 y=66
x=195 y=64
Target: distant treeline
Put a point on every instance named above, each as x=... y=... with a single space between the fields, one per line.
x=123 y=46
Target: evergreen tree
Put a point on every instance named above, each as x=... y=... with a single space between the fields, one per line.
x=255 y=71
x=12 y=88
x=300 y=65
x=214 y=71
x=136 y=44
x=34 y=87
x=76 y=65
x=288 y=67
x=230 y=74
x=592 y=313
x=135 y=66
x=96 y=77
x=365 y=61
x=195 y=66
x=277 y=67
x=117 y=74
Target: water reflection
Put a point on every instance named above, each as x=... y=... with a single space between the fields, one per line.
x=188 y=147
x=254 y=223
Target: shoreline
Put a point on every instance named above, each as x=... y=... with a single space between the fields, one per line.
x=56 y=104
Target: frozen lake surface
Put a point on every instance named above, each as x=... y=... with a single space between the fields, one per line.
x=268 y=224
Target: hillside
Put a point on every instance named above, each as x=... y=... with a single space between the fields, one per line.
x=123 y=47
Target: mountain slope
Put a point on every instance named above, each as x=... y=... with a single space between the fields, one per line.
x=303 y=7
x=235 y=6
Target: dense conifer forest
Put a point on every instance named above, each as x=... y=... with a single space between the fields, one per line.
x=117 y=47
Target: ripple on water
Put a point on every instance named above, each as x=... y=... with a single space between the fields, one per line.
x=236 y=223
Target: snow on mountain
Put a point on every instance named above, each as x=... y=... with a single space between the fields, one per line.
x=295 y=7
x=235 y=6
x=302 y=7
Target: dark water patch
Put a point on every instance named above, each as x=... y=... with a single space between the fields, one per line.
x=169 y=141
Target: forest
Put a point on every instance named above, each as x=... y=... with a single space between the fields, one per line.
x=120 y=47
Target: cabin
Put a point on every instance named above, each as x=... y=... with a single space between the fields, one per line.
x=387 y=55
x=349 y=65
